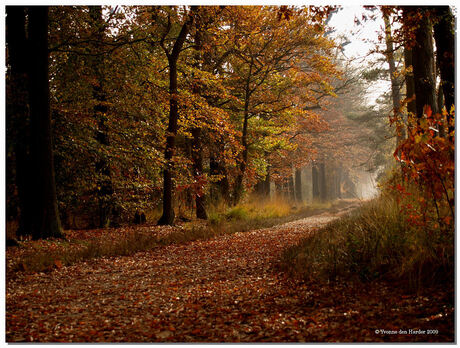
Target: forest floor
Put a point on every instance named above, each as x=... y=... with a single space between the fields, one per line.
x=226 y=289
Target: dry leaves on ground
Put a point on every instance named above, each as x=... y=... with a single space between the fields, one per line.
x=227 y=289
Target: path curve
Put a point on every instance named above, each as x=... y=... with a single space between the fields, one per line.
x=227 y=289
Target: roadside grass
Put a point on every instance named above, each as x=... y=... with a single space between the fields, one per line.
x=375 y=242
x=45 y=255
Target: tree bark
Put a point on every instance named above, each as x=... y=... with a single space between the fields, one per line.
x=315 y=182
x=423 y=62
x=104 y=184
x=445 y=54
x=200 y=198
x=395 y=94
x=322 y=182
x=266 y=183
x=238 y=191
x=46 y=217
x=221 y=188
x=298 y=185
x=168 y=215
x=17 y=115
x=338 y=182
x=409 y=79
x=291 y=189
x=197 y=156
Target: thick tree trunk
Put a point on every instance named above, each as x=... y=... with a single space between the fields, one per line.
x=445 y=54
x=46 y=216
x=17 y=115
x=105 y=186
x=423 y=62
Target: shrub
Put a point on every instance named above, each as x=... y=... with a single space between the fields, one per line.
x=376 y=241
x=237 y=213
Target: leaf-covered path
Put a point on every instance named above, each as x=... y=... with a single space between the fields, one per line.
x=227 y=289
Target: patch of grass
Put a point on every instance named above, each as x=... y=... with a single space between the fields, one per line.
x=373 y=242
x=45 y=255
x=237 y=213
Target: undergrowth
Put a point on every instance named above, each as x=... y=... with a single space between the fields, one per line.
x=376 y=241
x=46 y=255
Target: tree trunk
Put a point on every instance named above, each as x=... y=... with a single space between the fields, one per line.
x=322 y=182
x=396 y=96
x=46 y=217
x=423 y=62
x=266 y=184
x=291 y=189
x=221 y=188
x=440 y=102
x=445 y=54
x=298 y=185
x=315 y=182
x=197 y=156
x=168 y=210
x=338 y=182
x=17 y=115
x=104 y=184
x=409 y=78
x=238 y=191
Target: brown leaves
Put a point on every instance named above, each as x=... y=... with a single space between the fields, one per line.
x=227 y=289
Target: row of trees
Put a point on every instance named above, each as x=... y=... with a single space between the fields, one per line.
x=190 y=101
x=425 y=118
x=186 y=105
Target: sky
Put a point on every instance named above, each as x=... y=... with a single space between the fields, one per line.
x=363 y=38
x=344 y=23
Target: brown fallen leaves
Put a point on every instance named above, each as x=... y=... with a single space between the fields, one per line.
x=228 y=289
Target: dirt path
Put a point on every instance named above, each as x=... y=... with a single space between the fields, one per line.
x=228 y=289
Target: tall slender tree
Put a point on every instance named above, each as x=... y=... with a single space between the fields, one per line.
x=168 y=215
x=96 y=60
x=197 y=154
x=395 y=85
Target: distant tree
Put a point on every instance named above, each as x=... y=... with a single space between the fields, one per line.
x=395 y=83
x=100 y=109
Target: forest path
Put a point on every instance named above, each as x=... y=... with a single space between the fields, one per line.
x=227 y=289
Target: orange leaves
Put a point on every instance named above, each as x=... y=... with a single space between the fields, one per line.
x=427 y=159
